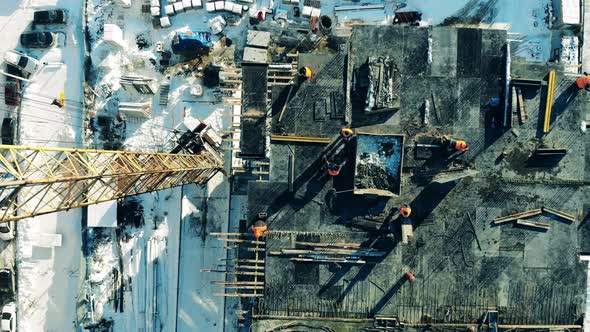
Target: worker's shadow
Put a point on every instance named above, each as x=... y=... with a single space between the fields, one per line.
x=428 y=199
x=388 y=295
x=382 y=243
x=315 y=178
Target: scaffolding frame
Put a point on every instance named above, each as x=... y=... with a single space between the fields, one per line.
x=38 y=180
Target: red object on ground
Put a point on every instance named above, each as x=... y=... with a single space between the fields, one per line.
x=11 y=93
x=410 y=276
x=333 y=172
x=261 y=16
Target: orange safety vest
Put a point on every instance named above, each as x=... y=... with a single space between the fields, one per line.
x=582 y=81
x=259 y=231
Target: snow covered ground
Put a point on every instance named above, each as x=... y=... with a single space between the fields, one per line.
x=163 y=287
x=204 y=210
x=526 y=18
x=160 y=261
x=48 y=279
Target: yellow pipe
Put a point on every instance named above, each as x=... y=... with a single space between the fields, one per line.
x=549 y=102
x=301 y=139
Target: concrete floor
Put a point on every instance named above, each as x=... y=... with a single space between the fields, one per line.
x=458 y=279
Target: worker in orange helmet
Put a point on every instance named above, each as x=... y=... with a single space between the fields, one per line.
x=305 y=73
x=405 y=210
x=583 y=82
x=461 y=146
x=259 y=228
x=346 y=132
x=454 y=144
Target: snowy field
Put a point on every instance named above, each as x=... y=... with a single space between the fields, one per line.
x=166 y=289
x=204 y=210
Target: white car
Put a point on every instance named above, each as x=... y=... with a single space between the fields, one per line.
x=6 y=230
x=22 y=61
x=9 y=317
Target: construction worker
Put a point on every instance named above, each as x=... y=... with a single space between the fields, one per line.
x=583 y=82
x=454 y=144
x=305 y=73
x=334 y=168
x=58 y=102
x=346 y=132
x=259 y=228
x=405 y=210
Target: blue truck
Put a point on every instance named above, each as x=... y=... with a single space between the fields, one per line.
x=191 y=42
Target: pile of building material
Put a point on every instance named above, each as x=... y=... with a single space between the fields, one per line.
x=256 y=50
x=383 y=85
x=348 y=253
x=139 y=84
x=569 y=55
x=378 y=164
x=518 y=218
x=136 y=110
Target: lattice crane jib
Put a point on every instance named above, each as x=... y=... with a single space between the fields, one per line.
x=37 y=180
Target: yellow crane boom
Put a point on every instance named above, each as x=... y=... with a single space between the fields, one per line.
x=38 y=180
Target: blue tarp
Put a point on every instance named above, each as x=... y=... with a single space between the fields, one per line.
x=190 y=42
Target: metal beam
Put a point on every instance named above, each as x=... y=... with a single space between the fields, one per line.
x=549 y=101
x=37 y=180
x=301 y=139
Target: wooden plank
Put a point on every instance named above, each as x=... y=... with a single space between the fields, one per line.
x=522 y=116
x=340 y=245
x=539 y=225
x=505 y=219
x=226 y=233
x=327 y=252
x=223 y=282
x=240 y=240
x=249 y=273
x=243 y=287
x=259 y=261
x=513 y=100
x=245 y=267
x=255 y=249
x=561 y=214
x=343 y=261
x=239 y=295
